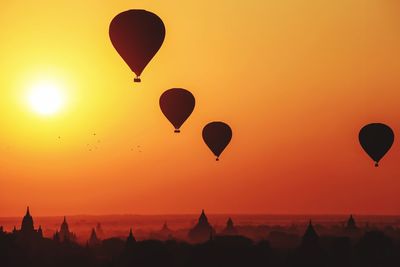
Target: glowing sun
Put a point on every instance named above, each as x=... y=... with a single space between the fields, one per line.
x=46 y=98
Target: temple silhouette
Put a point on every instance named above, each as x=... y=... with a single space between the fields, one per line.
x=202 y=231
x=130 y=241
x=64 y=235
x=230 y=229
x=310 y=237
x=93 y=240
x=304 y=245
x=28 y=233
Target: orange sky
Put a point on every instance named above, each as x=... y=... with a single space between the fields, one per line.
x=296 y=80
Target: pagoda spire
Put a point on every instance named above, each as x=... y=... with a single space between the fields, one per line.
x=130 y=241
x=27 y=222
x=131 y=235
x=229 y=223
x=351 y=223
x=230 y=228
x=94 y=240
x=201 y=231
x=203 y=218
x=310 y=236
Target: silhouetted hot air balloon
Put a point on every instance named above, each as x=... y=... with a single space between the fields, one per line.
x=217 y=136
x=137 y=35
x=376 y=139
x=177 y=104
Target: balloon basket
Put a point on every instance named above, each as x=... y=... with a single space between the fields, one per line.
x=376 y=164
x=217 y=159
x=177 y=131
x=137 y=80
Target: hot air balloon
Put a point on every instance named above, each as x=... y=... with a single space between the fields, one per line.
x=177 y=104
x=137 y=35
x=217 y=136
x=376 y=139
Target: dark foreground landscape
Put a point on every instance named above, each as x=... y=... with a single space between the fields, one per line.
x=347 y=243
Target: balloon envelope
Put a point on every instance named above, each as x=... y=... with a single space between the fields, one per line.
x=217 y=135
x=177 y=104
x=376 y=139
x=137 y=35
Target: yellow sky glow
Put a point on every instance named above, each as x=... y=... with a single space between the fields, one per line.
x=294 y=79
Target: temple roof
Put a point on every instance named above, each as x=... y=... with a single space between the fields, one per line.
x=229 y=223
x=27 y=221
x=93 y=234
x=310 y=234
x=64 y=224
x=203 y=218
x=351 y=223
x=130 y=238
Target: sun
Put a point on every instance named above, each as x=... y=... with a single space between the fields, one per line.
x=46 y=98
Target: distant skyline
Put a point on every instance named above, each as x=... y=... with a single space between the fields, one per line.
x=295 y=80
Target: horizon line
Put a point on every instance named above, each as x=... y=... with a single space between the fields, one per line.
x=196 y=214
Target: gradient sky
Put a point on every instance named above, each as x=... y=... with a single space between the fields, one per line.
x=295 y=79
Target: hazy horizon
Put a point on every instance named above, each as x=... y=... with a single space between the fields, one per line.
x=144 y=225
x=196 y=214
